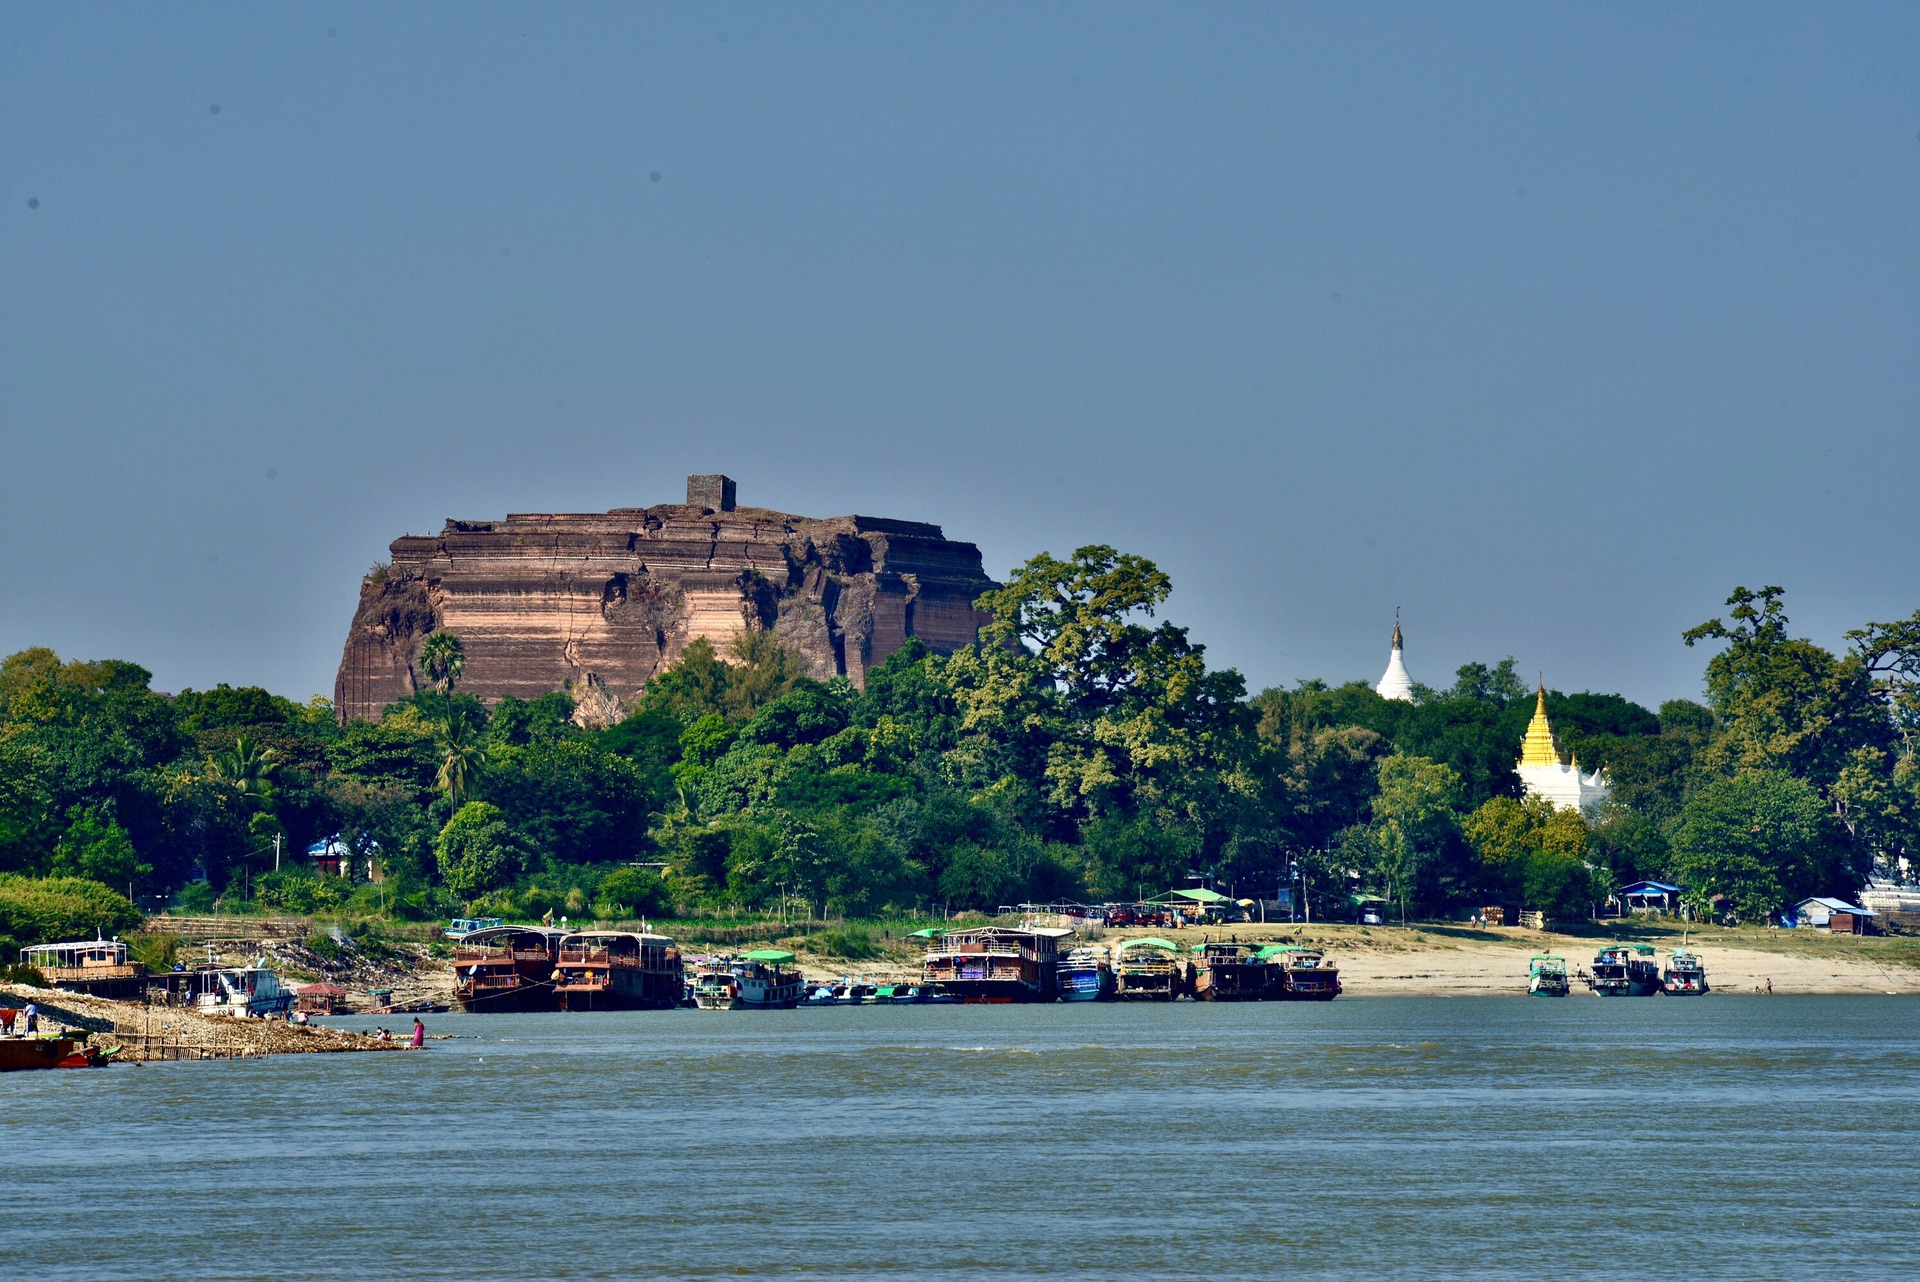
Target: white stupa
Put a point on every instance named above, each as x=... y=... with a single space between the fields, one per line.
x=1396 y=684
x=1545 y=775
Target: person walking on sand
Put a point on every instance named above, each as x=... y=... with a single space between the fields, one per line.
x=419 y=1033
x=1769 y=985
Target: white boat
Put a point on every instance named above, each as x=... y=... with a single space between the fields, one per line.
x=765 y=982
x=241 y=992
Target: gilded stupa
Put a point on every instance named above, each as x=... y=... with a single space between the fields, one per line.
x=1546 y=774
x=1396 y=684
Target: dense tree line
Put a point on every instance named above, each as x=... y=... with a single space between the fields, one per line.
x=1082 y=750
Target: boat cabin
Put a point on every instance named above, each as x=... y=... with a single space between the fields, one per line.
x=461 y=927
x=506 y=968
x=1147 y=969
x=243 y=992
x=100 y=967
x=997 y=963
x=617 y=970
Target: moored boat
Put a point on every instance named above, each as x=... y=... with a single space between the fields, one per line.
x=1305 y=975
x=617 y=970
x=242 y=992
x=1686 y=975
x=18 y=1054
x=506 y=968
x=1624 y=970
x=1230 y=972
x=1146 y=970
x=995 y=964
x=715 y=986
x=767 y=980
x=1086 y=975
x=1547 y=976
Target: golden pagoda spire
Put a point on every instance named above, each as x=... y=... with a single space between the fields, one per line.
x=1539 y=748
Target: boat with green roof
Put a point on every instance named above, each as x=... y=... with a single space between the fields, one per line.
x=1147 y=970
x=1227 y=971
x=1547 y=976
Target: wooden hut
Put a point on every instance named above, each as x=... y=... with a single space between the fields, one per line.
x=320 y=999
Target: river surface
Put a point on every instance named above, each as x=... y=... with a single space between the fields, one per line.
x=1729 y=1137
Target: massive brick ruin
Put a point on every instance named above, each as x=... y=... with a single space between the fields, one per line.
x=600 y=602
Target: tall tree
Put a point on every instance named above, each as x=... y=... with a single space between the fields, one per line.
x=443 y=658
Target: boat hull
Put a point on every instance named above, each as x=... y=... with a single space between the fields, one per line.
x=991 y=992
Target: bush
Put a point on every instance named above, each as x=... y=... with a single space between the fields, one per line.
x=194 y=897
x=855 y=944
x=300 y=892
x=631 y=892
x=21 y=973
x=39 y=910
x=157 y=951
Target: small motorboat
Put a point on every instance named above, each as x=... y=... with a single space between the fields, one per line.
x=1547 y=976
x=1686 y=975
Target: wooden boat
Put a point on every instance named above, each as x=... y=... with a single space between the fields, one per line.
x=1230 y=972
x=1686 y=975
x=461 y=927
x=1146 y=970
x=997 y=963
x=506 y=968
x=100 y=967
x=617 y=970
x=1625 y=970
x=765 y=982
x=1305 y=975
x=1086 y=975
x=20 y=1054
x=1547 y=976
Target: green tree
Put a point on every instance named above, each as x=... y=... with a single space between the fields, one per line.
x=97 y=848
x=1415 y=813
x=1764 y=840
x=477 y=851
x=443 y=658
x=461 y=753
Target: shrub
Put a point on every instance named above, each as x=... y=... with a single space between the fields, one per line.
x=21 y=973
x=49 y=909
x=854 y=943
x=158 y=951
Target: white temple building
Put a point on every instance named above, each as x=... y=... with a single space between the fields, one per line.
x=1546 y=775
x=1396 y=684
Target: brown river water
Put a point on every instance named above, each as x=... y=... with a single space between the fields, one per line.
x=1725 y=1137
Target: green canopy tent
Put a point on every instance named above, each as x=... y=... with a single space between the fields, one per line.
x=928 y=933
x=774 y=956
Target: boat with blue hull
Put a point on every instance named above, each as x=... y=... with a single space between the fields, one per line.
x=1086 y=975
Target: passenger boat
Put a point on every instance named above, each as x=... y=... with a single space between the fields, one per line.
x=617 y=970
x=1686 y=975
x=1086 y=975
x=1305 y=975
x=1623 y=970
x=715 y=986
x=243 y=992
x=765 y=983
x=1547 y=976
x=912 y=994
x=506 y=968
x=99 y=967
x=997 y=964
x=1146 y=970
x=1231 y=972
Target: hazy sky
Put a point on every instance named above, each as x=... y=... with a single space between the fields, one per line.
x=1549 y=323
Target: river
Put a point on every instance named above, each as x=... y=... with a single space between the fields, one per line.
x=1729 y=1137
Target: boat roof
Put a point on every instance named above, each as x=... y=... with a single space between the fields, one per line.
x=770 y=955
x=1151 y=941
x=548 y=933
x=649 y=936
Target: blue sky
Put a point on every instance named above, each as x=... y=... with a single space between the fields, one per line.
x=1549 y=324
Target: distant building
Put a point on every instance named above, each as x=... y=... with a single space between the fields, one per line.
x=1546 y=774
x=1833 y=914
x=1396 y=684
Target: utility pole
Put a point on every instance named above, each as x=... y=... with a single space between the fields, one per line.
x=276 y=852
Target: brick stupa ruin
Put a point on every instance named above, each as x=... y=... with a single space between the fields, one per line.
x=601 y=602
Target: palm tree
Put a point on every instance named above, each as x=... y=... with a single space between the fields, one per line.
x=459 y=757
x=245 y=768
x=443 y=659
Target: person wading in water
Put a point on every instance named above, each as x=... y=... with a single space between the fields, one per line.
x=419 y=1033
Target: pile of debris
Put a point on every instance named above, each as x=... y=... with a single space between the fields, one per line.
x=164 y=1032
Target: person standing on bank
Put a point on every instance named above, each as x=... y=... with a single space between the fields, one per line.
x=32 y=1012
